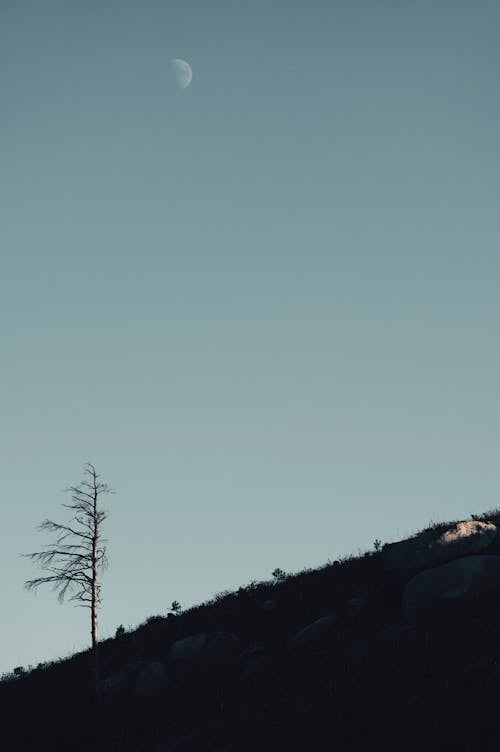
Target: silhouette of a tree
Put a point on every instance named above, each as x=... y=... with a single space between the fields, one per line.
x=73 y=567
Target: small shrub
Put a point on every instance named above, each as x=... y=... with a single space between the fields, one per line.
x=279 y=576
x=176 y=607
x=377 y=544
x=155 y=619
x=218 y=597
x=120 y=631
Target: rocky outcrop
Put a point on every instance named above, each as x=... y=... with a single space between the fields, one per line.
x=115 y=687
x=451 y=586
x=220 y=654
x=184 y=654
x=255 y=664
x=151 y=681
x=203 y=655
x=318 y=630
x=138 y=679
x=427 y=549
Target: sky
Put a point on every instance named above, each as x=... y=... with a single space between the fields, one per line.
x=264 y=306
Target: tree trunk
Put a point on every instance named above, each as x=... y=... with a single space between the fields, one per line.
x=95 y=647
x=95 y=594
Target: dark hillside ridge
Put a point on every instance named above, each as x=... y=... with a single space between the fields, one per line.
x=397 y=650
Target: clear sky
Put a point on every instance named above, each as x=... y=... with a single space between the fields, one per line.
x=266 y=306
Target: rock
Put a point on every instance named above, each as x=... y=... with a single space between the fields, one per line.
x=115 y=687
x=451 y=586
x=203 y=655
x=219 y=654
x=151 y=681
x=256 y=664
x=469 y=537
x=184 y=654
x=316 y=631
x=427 y=549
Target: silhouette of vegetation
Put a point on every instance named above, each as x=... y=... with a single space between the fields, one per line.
x=279 y=576
x=376 y=681
x=74 y=567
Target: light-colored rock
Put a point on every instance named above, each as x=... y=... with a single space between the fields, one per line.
x=449 y=587
x=316 y=631
x=151 y=681
x=428 y=549
x=469 y=536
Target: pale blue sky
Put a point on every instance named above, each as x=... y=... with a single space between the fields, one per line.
x=266 y=307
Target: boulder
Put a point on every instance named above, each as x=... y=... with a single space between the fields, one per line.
x=116 y=686
x=312 y=633
x=184 y=654
x=151 y=681
x=450 y=587
x=428 y=549
x=468 y=537
x=203 y=655
x=256 y=664
x=219 y=654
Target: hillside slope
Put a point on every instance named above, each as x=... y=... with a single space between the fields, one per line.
x=395 y=650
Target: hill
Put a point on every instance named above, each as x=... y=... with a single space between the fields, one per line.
x=396 y=649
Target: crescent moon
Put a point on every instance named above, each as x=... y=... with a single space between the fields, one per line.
x=183 y=72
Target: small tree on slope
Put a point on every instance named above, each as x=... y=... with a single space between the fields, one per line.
x=78 y=555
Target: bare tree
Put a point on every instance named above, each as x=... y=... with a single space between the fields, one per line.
x=74 y=567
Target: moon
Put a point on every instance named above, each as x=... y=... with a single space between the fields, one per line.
x=183 y=72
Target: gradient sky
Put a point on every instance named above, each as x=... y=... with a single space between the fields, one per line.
x=265 y=307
